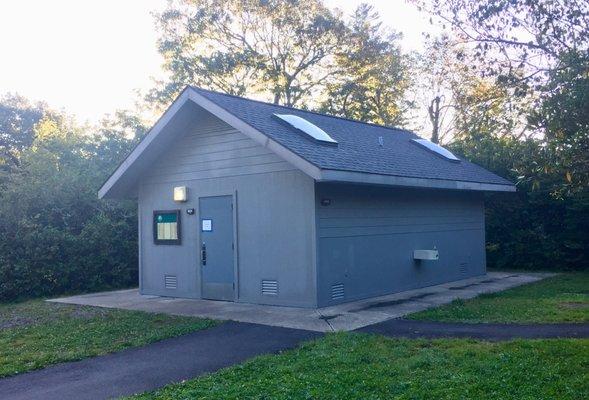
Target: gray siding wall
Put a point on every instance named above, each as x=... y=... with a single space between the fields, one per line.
x=275 y=216
x=367 y=236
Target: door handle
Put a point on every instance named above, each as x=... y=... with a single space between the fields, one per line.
x=203 y=254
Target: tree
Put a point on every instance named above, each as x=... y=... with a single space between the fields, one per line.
x=294 y=53
x=536 y=48
x=484 y=107
x=531 y=229
x=514 y=35
x=374 y=73
x=17 y=121
x=281 y=50
x=563 y=116
x=56 y=236
x=523 y=114
x=439 y=73
x=115 y=137
x=459 y=102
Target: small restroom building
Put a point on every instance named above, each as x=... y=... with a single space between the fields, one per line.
x=245 y=201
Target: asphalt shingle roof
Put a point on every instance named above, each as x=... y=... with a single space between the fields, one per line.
x=358 y=148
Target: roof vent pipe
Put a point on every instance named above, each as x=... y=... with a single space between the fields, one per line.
x=380 y=141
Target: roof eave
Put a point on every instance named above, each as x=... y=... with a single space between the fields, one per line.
x=115 y=186
x=328 y=175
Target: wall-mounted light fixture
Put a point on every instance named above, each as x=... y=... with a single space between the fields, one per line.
x=180 y=194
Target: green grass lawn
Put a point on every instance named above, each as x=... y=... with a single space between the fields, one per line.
x=563 y=298
x=35 y=334
x=359 y=366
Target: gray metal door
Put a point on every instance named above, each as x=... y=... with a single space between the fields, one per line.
x=216 y=247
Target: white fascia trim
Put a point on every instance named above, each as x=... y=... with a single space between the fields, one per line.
x=257 y=136
x=389 y=180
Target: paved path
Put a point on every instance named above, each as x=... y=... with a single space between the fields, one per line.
x=146 y=368
x=426 y=329
x=152 y=366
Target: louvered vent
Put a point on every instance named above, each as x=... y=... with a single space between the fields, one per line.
x=463 y=267
x=337 y=291
x=269 y=287
x=171 y=281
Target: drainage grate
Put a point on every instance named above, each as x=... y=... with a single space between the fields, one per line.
x=269 y=287
x=171 y=281
x=337 y=291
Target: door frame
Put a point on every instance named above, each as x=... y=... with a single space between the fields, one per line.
x=233 y=196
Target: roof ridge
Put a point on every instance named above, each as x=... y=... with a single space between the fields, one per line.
x=392 y=128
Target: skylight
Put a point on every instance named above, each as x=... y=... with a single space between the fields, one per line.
x=439 y=150
x=306 y=127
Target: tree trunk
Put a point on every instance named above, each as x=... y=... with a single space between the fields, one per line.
x=434 y=117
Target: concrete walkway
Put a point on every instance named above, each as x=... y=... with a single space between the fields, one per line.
x=149 y=367
x=344 y=317
x=495 y=332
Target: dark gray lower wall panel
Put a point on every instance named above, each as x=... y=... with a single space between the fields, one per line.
x=367 y=236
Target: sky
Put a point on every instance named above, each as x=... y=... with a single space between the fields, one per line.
x=89 y=58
